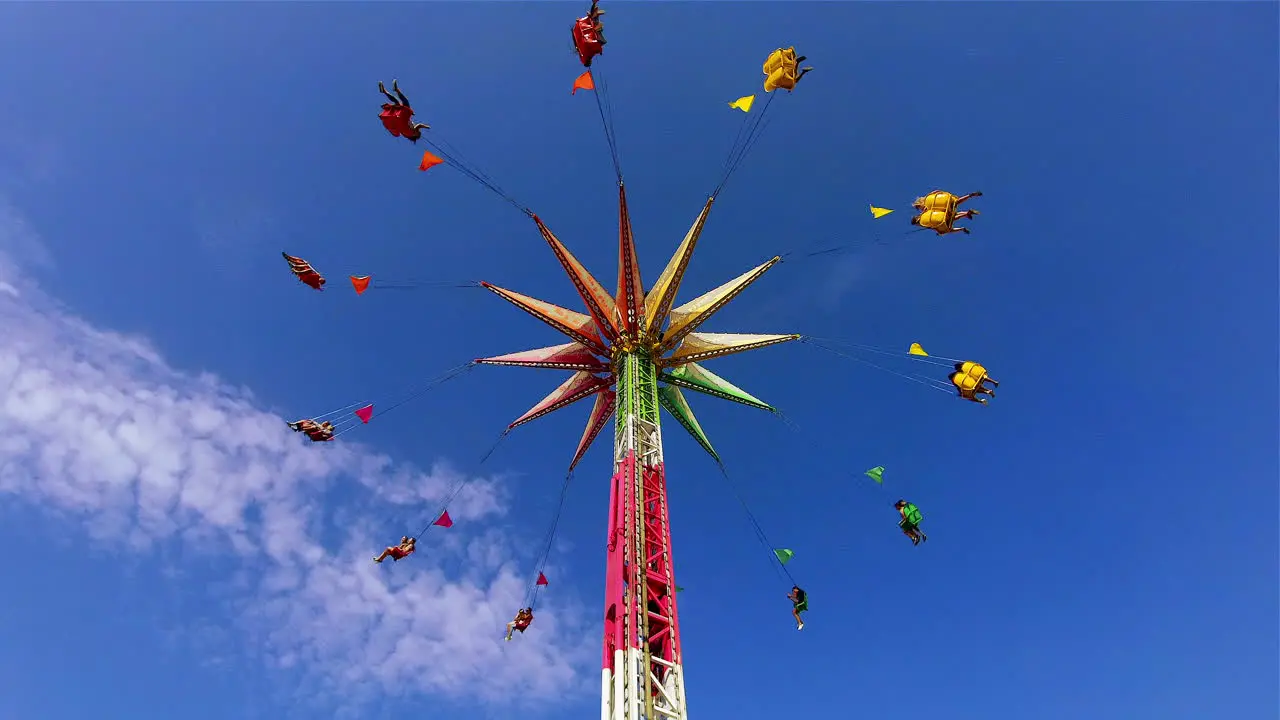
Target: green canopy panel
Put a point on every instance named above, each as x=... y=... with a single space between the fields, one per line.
x=697 y=378
x=673 y=400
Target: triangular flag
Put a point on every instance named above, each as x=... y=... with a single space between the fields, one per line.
x=360 y=283
x=542 y=579
x=444 y=520
x=584 y=82
x=365 y=413
x=679 y=589
x=879 y=212
x=429 y=161
x=877 y=474
x=915 y=349
x=784 y=555
x=743 y=103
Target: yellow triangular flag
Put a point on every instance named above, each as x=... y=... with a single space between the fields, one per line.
x=917 y=350
x=879 y=212
x=743 y=103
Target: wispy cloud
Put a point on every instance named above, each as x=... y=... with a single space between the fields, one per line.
x=20 y=246
x=96 y=428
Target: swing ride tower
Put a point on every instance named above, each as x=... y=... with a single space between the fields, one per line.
x=634 y=352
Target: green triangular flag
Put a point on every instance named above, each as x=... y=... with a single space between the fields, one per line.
x=877 y=474
x=679 y=589
x=784 y=555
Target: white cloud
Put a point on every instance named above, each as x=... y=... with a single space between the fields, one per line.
x=19 y=243
x=97 y=427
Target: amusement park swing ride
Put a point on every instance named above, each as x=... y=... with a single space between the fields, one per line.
x=634 y=352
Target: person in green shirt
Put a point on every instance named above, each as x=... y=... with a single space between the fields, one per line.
x=910 y=522
x=799 y=603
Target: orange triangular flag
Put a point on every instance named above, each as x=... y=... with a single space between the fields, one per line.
x=584 y=82
x=542 y=579
x=360 y=283
x=444 y=520
x=429 y=161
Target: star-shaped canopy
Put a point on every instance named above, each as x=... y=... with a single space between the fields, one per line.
x=632 y=319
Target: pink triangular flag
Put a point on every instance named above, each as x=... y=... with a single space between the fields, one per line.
x=365 y=413
x=444 y=520
x=542 y=579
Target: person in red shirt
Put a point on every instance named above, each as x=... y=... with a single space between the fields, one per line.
x=397 y=114
x=400 y=552
x=521 y=623
x=318 y=432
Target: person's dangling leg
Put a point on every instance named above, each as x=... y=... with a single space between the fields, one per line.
x=383 y=89
x=395 y=86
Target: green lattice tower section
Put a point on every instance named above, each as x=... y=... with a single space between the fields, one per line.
x=634 y=351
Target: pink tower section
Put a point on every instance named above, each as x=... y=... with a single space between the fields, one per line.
x=659 y=576
x=620 y=490
x=654 y=599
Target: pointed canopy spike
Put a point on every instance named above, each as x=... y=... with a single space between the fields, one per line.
x=697 y=378
x=686 y=318
x=577 y=326
x=570 y=356
x=630 y=297
x=663 y=293
x=593 y=294
x=606 y=400
x=671 y=398
x=698 y=347
x=579 y=385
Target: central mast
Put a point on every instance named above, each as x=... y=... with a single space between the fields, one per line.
x=619 y=351
x=643 y=676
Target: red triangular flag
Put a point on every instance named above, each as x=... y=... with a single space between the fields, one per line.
x=429 y=161
x=444 y=520
x=583 y=82
x=542 y=579
x=365 y=413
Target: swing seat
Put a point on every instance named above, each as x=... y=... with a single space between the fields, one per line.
x=586 y=40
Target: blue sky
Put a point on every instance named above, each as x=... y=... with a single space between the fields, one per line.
x=1103 y=535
